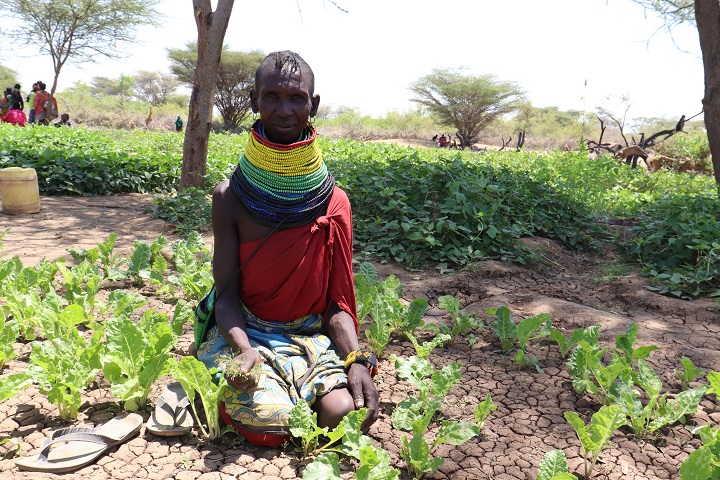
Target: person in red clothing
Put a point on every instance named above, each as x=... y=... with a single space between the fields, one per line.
x=283 y=270
x=43 y=115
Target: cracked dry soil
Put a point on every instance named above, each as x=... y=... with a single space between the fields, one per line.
x=529 y=418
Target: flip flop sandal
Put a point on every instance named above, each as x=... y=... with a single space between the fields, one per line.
x=171 y=415
x=81 y=446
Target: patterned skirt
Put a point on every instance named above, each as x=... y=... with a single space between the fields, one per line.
x=300 y=362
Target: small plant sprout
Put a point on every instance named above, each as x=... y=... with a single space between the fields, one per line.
x=231 y=368
x=596 y=436
x=688 y=373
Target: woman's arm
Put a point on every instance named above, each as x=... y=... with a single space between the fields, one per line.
x=228 y=307
x=341 y=330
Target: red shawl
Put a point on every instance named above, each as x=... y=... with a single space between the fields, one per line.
x=301 y=270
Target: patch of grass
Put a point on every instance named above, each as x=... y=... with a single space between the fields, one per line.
x=612 y=271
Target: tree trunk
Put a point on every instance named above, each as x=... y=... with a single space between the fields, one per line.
x=707 y=16
x=211 y=28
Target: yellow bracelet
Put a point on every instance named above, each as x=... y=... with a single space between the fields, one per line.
x=365 y=357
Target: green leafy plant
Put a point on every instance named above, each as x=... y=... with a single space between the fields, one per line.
x=194 y=272
x=688 y=373
x=566 y=344
x=519 y=335
x=136 y=355
x=703 y=463
x=432 y=387
x=9 y=331
x=304 y=427
x=658 y=411
x=554 y=467
x=197 y=380
x=462 y=322
x=64 y=367
x=187 y=211
x=595 y=436
x=624 y=345
x=714 y=380
x=366 y=281
x=424 y=349
x=590 y=373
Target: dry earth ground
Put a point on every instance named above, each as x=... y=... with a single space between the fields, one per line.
x=527 y=423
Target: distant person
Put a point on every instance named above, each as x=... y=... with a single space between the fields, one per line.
x=178 y=124
x=5 y=102
x=31 y=102
x=45 y=109
x=64 y=121
x=15 y=117
x=16 y=100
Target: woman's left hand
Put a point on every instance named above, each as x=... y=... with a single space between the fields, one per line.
x=364 y=393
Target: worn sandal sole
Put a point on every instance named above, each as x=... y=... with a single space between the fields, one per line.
x=81 y=446
x=171 y=415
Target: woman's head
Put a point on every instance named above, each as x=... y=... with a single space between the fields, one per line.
x=284 y=96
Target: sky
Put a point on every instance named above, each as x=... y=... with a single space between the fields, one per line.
x=570 y=54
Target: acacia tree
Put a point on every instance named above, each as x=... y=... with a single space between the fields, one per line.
x=468 y=103
x=78 y=31
x=211 y=28
x=236 y=75
x=706 y=15
x=154 y=87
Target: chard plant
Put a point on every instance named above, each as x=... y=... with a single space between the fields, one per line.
x=432 y=387
x=103 y=255
x=136 y=355
x=595 y=436
x=346 y=438
x=519 y=335
x=624 y=345
x=194 y=274
x=122 y=303
x=374 y=465
x=703 y=463
x=82 y=284
x=424 y=349
x=197 y=380
x=554 y=467
x=366 y=289
x=9 y=331
x=658 y=411
x=590 y=373
x=374 y=461
x=146 y=262
x=566 y=344
x=688 y=373
x=462 y=322
x=64 y=367
x=417 y=451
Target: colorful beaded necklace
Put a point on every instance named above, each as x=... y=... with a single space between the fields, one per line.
x=277 y=182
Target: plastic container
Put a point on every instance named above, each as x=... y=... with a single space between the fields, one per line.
x=19 y=190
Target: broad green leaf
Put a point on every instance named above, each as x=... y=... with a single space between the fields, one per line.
x=456 y=433
x=526 y=328
x=554 y=467
x=587 y=442
x=505 y=328
x=444 y=379
x=11 y=385
x=714 y=380
x=483 y=409
x=648 y=380
x=324 y=467
x=690 y=372
x=375 y=465
x=698 y=466
x=406 y=413
x=196 y=379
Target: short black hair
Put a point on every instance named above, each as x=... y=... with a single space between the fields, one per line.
x=289 y=62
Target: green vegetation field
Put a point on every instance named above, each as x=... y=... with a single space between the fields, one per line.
x=423 y=207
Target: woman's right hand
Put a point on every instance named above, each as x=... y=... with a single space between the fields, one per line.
x=246 y=361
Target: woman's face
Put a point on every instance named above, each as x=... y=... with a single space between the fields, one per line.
x=284 y=104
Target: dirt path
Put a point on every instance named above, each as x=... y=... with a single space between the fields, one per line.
x=529 y=419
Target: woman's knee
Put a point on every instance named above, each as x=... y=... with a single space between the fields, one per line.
x=332 y=407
